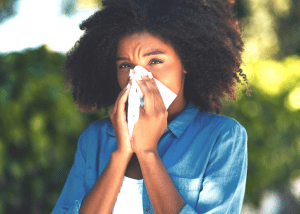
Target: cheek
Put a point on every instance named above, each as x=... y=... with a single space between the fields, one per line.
x=176 y=86
x=122 y=79
x=173 y=81
x=175 y=78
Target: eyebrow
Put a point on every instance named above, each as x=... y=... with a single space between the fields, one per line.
x=156 y=52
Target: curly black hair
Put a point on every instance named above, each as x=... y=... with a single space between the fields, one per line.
x=204 y=33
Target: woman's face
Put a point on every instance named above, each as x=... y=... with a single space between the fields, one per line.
x=155 y=56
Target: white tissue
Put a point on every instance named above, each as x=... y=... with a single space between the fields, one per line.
x=136 y=97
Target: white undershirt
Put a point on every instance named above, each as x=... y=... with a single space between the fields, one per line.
x=130 y=197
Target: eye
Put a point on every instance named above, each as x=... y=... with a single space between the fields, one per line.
x=155 y=61
x=125 y=65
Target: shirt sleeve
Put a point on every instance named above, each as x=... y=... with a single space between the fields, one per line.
x=224 y=182
x=74 y=190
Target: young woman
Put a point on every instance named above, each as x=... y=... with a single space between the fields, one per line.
x=184 y=159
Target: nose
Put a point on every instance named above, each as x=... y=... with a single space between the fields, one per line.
x=141 y=71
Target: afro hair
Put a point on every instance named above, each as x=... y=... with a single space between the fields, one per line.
x=204 y=34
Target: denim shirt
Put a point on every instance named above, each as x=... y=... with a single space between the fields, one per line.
x=205 y=155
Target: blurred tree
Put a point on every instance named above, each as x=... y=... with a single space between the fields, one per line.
x=69 y=7
x=39 y=129
x=7 y=9
x=287 y=13
x=271 y=28
x=261 y=40
x=241 y=9
x=89 y=3
x=271 y=117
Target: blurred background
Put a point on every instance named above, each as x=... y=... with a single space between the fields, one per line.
x=40 y=124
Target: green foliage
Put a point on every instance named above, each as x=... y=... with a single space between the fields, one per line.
x=39 y=129
x=7 y=9
x=272 y=125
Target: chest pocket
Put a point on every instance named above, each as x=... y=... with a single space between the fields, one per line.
x=189 y=189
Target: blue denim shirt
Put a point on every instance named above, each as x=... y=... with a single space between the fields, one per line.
x=205 y=155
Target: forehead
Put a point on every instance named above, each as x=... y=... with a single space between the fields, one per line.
x=141 y=41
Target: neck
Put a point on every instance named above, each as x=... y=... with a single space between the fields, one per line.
x=175 y=109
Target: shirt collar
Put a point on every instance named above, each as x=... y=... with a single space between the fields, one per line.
x=177 y=125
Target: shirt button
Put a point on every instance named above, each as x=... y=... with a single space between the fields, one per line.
x=147 y=209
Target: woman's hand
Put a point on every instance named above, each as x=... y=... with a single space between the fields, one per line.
x=153 y=117
x=118 y=118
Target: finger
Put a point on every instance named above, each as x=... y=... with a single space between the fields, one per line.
x=157 y=95
x=120 y=95
x=149 y=99
x=123 y=98
x=114 y=109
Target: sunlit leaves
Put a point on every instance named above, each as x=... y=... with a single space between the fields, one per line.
x=88 y=3
x=261 y=40
x=282 y=7
x=293 y=101
x=271 y=123
x=273 y=77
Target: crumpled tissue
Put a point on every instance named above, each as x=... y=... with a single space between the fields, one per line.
x=136 y=97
